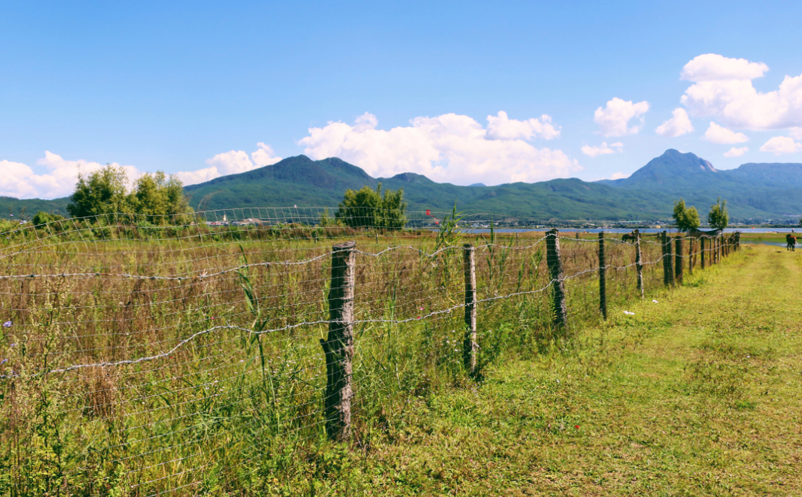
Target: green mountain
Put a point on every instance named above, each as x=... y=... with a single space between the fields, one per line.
x=755 y=192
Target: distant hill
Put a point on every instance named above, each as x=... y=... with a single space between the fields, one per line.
x=755 y=192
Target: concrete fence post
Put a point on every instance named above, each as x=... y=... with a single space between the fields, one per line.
x=554 y=261
x=339 y=345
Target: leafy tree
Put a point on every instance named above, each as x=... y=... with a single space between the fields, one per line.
x=42 y=217
x=102 y=192
x=718 y=217
x=687 y=218
x=160 y=199
x=367 y=208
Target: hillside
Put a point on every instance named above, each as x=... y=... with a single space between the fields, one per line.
x=755 y=192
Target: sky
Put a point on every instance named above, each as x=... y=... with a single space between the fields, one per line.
x=462 y=92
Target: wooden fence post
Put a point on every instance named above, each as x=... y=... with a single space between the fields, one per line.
x=602 y=277
x=639 y=263
x=469 y=345
x=669 y=258
x=554 y=261
x=702 y=249
x=339 y=345
x=662 y=238
x=678 y=265
x=691 y=254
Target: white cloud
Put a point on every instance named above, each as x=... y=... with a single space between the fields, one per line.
x=795 y=133
x=721 y=135
x=679 y=124
x=713 y=67
x=725 y=90
x=20 y=181
x=780 y=145
x=264 y=156
x=615 y=116
x=736 y=152
x=619 y=176
x=502 y=128
x=233 y=162
x=603 y=149
x=449 y=147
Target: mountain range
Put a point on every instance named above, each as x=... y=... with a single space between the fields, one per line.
x=754 y=192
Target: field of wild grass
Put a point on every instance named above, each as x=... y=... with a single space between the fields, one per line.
x=136 y=362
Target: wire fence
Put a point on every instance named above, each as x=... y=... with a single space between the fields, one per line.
x=141 y=358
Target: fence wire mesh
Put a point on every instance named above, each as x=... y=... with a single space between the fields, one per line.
x=157 y=358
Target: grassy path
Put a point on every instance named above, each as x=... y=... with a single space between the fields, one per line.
x=698 y=394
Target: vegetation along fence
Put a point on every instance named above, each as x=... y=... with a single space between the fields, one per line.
x=144 y=359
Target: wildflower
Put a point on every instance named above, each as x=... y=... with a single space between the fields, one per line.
x=428 y=212
x=421 y=308
x=654 y=301
x=7 y=324
x=3 y=361
x=13 y=345
x=629 y=313
x=577 y=427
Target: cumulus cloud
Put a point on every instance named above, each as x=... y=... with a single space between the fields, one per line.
x=604 y=149
x=713 y=67
x=780 y=145
x=449 y=147
x=503 y=128
x=795 y=133
x=61 y=175
x=723 y=88
x=20 y=180
x=619 y=176
x=613 y=119
x=679 y=124
x=232 y=162
x=736 y=152
x=721 y=135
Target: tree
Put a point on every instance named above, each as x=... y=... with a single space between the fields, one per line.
x=367 y=208
x=160 y=199
x=43 y=218
x=718 y=217
x=687 y=218
x=102 y=192
x=156 y=196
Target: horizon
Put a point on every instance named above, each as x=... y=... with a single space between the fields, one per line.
x=392 y=91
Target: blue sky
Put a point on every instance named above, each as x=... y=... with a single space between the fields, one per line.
x=204 y=89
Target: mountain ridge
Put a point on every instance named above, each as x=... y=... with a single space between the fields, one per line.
x=754 y=191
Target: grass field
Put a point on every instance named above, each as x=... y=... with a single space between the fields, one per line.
x=192 y=366
x=698 y=394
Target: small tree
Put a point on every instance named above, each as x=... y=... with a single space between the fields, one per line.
x=367 y=208
x=718 y=217
x=687 y=218
x=160 y=198
x=102 y=192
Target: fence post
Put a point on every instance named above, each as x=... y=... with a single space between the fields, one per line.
x=678 y=265
x=554 y=261
x=602 y=277
x=339 y=345
x=702 y=249
x=737 y=240
x=665 y=258
x=639 y=263
x=469 y=345
x=669 y=258
x=691 y=254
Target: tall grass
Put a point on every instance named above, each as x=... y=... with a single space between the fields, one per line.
x=93 y=403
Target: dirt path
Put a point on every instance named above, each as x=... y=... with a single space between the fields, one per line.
x=698 y=394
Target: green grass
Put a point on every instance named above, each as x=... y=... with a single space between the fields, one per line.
x=698 y=394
